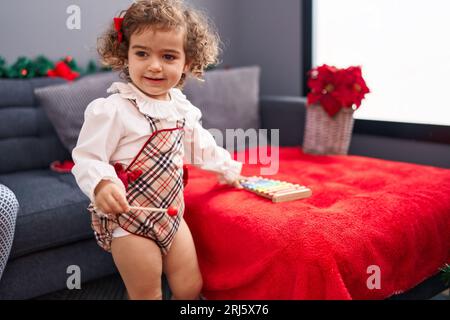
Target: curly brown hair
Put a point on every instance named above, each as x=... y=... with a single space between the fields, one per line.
x=201 y=39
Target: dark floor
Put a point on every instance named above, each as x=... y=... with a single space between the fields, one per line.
x=112 y=288
x=109 y=288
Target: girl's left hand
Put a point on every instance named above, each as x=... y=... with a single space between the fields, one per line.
x=236 y=183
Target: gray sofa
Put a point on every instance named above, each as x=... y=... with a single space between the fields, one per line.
x=52 y=230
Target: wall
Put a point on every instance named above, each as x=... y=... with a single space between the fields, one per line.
x=262 y=32
x=269 y=35
x=222 y=14
x=30 y=28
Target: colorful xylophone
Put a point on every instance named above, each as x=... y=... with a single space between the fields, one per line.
x=276 y=190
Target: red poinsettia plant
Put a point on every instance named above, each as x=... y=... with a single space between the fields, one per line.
x=335 y=88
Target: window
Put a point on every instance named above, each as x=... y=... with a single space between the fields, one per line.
x=403 y=48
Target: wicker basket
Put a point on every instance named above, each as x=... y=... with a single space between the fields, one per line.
x=326 y=135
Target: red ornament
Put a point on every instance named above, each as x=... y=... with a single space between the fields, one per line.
x=63 y=70
x=24 y=72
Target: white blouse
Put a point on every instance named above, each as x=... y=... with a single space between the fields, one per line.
x=115 y=131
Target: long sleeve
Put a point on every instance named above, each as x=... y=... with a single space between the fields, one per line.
x=202 y=151
x=98 y=139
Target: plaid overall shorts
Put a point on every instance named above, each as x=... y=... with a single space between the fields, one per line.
x=159 y=185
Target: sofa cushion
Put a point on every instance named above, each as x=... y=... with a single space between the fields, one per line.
x=228 y=99
x=45 y=272
x=65 y=104
x=52 y=210
x=27 y=138
x=19 y=92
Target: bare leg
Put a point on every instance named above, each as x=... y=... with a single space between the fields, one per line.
x=140 y=265
x=181 y=268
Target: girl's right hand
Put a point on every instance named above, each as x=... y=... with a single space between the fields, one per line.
x=109 y=198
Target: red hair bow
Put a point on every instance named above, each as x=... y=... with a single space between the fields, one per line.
x=118 y=27
x=126 y=177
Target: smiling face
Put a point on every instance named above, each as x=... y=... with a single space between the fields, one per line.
x=156 y=61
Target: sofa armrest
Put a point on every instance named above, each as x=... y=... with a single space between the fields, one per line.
x=285 y=113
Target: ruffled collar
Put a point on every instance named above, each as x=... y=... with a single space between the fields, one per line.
x=159 y=109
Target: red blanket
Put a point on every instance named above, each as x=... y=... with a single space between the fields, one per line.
x=372 y=228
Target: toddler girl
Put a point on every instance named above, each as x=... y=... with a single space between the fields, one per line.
x=131 y=147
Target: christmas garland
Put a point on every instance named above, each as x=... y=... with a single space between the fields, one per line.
x=67 y=68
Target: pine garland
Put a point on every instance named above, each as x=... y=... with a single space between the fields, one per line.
x=2 y=67
x=42 y=65
x=71 y=63
x=25 y=68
